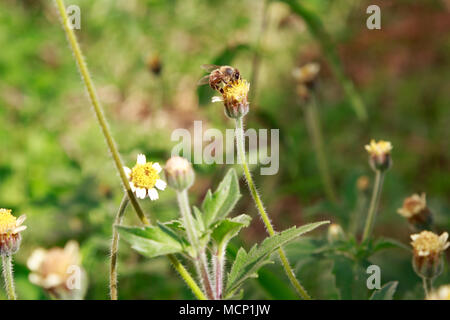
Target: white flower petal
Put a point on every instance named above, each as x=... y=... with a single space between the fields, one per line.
x=443 y=237
x=52 y=280
x=141 y=193
x=414 y=237
x=127 y=172
x=20 y=220
x=36 y=258
x=19 y=229
x=133 y=188
x=160 y=184
x=216 y=99
x=157 y=167
x=153 y=194
x=141 y=159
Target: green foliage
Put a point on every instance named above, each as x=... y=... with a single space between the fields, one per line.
x=386 y=292
x=246 y=264
x=226 y=229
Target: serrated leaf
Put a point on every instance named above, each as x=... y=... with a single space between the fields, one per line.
x=218 y=205
x=226 y=229
x=247 y=264
x=386 y=292
x=152 y=241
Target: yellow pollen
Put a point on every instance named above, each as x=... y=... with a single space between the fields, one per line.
x=144 y=175
x=237 y=90
x=7 y=221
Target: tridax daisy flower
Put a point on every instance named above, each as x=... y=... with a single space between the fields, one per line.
x=428 y=248
x=442 y=293
x=306 y=77
x=380 y=154
x=53 y=269
x=144 y=178
x=235 y=98
x=416 y=211
x=10 y=229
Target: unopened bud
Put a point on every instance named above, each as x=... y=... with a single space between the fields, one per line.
x=179 y=173
x=335 y=233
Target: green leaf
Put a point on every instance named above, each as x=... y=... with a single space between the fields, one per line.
x=386 y=292
x=218 y=205
x=226 y=229
x=247 y=264
x=153 y=241
x=386 y=243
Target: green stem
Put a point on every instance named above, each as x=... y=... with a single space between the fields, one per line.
x=427 y=286
x=218 y=264
x=115 y=248
x=240 y=142
x=201 y=263
x=315 y=132
x=374 y=202
x=8 y=276
x=109 y=139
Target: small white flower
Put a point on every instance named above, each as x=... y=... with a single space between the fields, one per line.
x=144 y=178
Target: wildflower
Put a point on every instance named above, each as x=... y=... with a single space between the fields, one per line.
x=427 y=249
x=415 y=210
x=179 y=173
x=10 y=229
x=306 y=77
x=442 y=293
x=235 y=98
x=380 y=154
x=55 y=270
x=144 y=178
x=335 y=233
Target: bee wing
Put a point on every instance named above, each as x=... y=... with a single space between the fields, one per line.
x=209 y=67
x=203 y=80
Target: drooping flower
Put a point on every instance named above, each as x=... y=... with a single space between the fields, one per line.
x=56 y=270
x=235 y=98
x=179 y=173
x=441 y=293
x=10 y=229
x=427 y=249
x=380 y=154
x=144 y=178
x=416 y=211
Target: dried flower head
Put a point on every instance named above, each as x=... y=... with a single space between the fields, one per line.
x=144 y=178
x=53 y=270
x=442 y=293
x=427 y=249
x=235 y=98
x=306 y=77
x=380 y=154
x=10 y=229
x=179 y=173
x=416 y=211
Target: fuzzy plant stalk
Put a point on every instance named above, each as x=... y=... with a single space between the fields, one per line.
x=374 y=203
x=115 y=248
x=240 y=144
x=315 y=133
x=8 y=276
x=201 y=262
x=98 y=110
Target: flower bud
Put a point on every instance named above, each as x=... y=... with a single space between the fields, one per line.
x=427 y=250
x=235 y=98
x=179 y=173
x=335 y=233
x=416 y=211
x=10 y=229
x=362 y=184
x=380 y=154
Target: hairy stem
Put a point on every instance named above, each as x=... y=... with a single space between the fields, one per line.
x=8 y=276
x=240 y=142
x=427 y=286
x=218 y=265
x=115 y=248
x=315 y=133
x=109 y=139
x=201 y=262
x=374 y=202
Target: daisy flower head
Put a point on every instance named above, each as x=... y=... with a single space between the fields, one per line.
x=416 y=211
x=380 y=154
x=144 y=178
x=10 y=228
x=427 y=249
x=235 y=98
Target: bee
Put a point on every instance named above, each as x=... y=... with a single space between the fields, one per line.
x=218 y=75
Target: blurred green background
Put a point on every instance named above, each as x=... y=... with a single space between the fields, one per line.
x=54 y=165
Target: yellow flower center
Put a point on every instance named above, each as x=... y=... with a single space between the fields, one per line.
x=144 y=175
x=7 y=221
x=427 y=243
x=379 y=148
x=236 y=91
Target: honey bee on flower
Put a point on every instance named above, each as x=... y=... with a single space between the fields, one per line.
x=144 y=178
